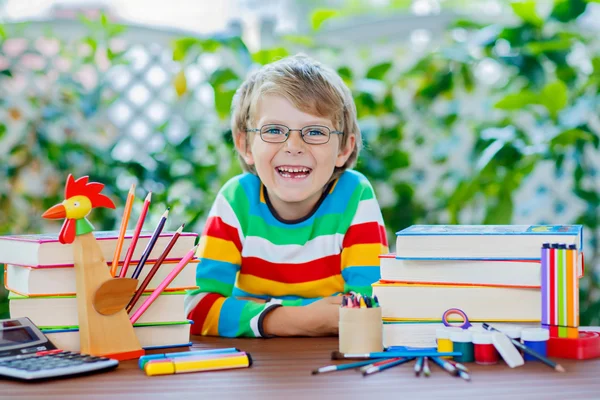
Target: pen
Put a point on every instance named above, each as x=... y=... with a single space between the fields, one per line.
x=198 y=364
x=144 y=359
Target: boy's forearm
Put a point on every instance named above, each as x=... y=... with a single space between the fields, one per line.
x=286 y=321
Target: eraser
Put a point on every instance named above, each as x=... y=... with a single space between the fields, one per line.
x=507 y=350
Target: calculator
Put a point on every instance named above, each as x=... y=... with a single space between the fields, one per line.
x=27 y=354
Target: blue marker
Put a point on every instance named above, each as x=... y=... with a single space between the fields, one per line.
x=144 y=359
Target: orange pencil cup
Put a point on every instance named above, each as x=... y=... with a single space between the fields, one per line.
x=360 y=330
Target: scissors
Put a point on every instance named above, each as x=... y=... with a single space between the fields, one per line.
x=456 y=311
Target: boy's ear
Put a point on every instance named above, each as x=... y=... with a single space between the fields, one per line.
x=243 y=147
x=345 y=151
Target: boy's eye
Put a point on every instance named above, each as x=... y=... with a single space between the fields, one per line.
x=273 y=130
x=314 y=132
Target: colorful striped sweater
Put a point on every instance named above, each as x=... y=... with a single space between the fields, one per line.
x=246 y=251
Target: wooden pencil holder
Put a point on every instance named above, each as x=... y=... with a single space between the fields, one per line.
x=360 y=330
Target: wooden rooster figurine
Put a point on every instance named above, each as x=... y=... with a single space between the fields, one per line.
x=104 y=326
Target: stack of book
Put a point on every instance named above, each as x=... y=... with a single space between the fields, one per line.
x=40 y=278
x=491 y=272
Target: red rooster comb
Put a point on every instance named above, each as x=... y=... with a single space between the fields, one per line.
x=91 y=190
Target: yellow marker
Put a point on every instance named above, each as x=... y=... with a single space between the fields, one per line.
x=198 y=363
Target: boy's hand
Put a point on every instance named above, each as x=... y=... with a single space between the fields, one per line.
x=316 y=319
x=322 y=316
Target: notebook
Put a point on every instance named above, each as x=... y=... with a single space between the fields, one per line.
x=60 y=280
x=409 y=301
x=487 y=272
x=62 y=310
x=46 y=250
x=493 y=242
x=151 y=336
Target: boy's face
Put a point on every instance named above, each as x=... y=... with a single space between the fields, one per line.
x=292 y=194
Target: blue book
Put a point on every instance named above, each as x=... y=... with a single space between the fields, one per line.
x=482 y=242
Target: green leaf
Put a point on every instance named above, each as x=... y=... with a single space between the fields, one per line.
x=302 y=40
x=378 y=71
x=554 y=97
x=570 y=137
x=526 y=11
x=2 y=130
x=269 y=55
x=320 y=15
x=2 y=32
x=568 y=10
x=501 y=211
x=6 y=72
x=182 y=46
x=223 y=76
x=345 y=73
x=537 y=48
x=516 y=101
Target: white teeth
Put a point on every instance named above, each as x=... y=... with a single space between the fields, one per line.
x=294 y=169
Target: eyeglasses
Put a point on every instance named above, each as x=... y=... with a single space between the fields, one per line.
x=312 y=134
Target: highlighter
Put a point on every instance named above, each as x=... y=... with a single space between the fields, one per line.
x=144 y=359
x=197 y=364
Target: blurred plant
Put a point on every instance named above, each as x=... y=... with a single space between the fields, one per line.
x=527 y=90
x=57 y=124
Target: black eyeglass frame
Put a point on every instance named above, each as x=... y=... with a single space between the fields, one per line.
x=289 y=130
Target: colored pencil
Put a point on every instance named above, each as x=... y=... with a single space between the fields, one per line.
x=531 y=352
x=545 y=284
x=157 y=231
x=445 y=365
x=426 y=369
x=419 y=366
x=389 y=365
x=341 y=367
x=336 y=355
x=160 y=288
x=123 y=229
x=155 y=267
x=136 y=236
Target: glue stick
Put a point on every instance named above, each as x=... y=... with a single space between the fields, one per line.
x=462 y=341
x=536 y=339
x=483 y=348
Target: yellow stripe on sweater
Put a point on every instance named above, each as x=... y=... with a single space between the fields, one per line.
x=211 y=323
x=218 y=249
x=319 y=288
x=362 y=255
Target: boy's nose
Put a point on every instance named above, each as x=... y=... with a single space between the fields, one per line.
x=294 y=144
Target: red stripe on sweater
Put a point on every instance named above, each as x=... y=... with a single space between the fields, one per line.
x=320 y=268
x=199 y=313
x=365 y=233
x=215 y=227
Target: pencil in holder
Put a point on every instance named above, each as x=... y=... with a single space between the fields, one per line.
x=360 y=330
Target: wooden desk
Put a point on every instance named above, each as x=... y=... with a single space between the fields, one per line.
x=282 y=368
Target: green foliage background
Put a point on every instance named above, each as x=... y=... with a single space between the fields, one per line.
x=445 y=98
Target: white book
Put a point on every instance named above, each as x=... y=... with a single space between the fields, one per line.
x=415 y=302
x=150 y=336
x=62 y=310
x=46 y=281
x=482 y=272
x=491 y=242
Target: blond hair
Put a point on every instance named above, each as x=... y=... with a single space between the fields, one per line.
x=311 y=87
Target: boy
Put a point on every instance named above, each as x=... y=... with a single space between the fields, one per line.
x=283 y=240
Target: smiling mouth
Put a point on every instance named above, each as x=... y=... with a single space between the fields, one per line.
x=293 y=172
